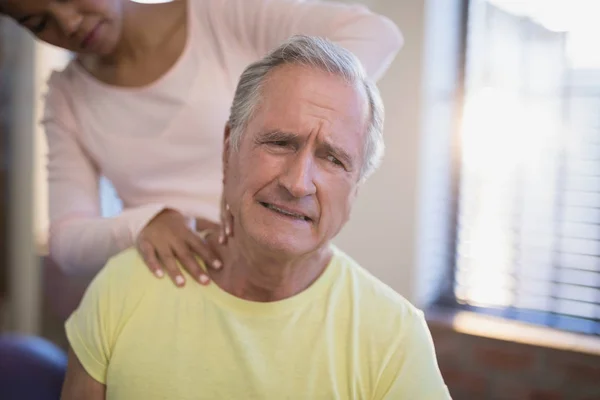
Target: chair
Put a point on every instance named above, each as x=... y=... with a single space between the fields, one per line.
x=31 y=368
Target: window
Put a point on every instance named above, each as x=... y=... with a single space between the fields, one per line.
x=528 y=218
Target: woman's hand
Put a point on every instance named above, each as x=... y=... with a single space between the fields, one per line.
x=226 y=230
x=167 y=239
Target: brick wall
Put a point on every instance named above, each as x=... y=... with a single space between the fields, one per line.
x=477 y=368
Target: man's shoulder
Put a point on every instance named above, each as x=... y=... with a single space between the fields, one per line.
x=376 y=297
x=129 y=264
x=395 y=335
x=124 y=272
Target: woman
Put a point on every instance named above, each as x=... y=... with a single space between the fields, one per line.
x=145 y=102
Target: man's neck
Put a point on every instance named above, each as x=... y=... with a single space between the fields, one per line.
x=265 y=277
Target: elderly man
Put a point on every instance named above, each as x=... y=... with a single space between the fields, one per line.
x=291 y=316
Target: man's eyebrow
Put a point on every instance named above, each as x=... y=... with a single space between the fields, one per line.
x=276 y=136
x=332 y=148
x=340 y=153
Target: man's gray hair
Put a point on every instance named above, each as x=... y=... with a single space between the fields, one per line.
x=317 y=53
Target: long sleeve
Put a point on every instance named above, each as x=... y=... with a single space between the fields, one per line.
x=263 y=24
x=80 y=238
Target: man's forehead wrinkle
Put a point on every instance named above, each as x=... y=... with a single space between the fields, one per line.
x=322 y=139
x=319 y=105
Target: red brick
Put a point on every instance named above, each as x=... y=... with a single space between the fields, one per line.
x=507 y=387
x=544 y=395
x=583 y=373
x=577 y=368
x=510 y=391
x=460 y=381
x=447 y=343
x=499 y=356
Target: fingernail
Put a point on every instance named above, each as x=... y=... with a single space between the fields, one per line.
x=221 y=239
x=179 y=280
x=217 y=264
x=227 y=207
x=159 y=273
x=227 y=230
x=203 y=279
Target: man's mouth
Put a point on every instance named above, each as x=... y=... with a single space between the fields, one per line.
x=285 y=212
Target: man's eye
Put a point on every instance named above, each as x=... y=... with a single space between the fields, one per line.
x=335 y=161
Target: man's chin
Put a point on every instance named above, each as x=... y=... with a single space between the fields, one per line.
x=285 y=244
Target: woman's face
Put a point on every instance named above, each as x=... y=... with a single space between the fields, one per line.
x=82 y=26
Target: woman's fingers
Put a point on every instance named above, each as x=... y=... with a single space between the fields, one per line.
x=188 y=261
x=228 y=221
x=222 y=235
x=167 y=245
x=200 y=245
x=205 y=225
x=226 y=229
x=148 y=253
x=167 y=258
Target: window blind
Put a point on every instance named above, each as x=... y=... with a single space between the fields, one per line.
x=528 y=218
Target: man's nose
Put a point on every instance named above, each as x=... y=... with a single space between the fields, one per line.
x=298 y=178
x=67 y=17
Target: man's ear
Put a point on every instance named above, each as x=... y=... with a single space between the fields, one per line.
x=226 y=149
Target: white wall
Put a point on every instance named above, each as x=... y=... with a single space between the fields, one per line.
x=399 y=225
x=382 y=232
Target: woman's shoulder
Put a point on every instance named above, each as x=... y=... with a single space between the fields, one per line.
x=62 y=87
x=64 y=79
x=213 y=12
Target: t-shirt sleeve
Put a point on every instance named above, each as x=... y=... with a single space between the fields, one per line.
x=262 y=25
x=412 y=371
x=93 y=327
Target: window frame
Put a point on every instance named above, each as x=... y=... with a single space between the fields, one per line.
x=446 y=296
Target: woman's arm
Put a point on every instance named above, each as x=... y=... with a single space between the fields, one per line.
x=80 y=238
x=264 y=24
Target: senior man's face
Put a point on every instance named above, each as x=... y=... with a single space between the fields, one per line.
x=292 y=183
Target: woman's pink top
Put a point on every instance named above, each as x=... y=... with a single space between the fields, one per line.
x=160 y=145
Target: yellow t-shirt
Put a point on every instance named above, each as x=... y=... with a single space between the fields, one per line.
x=348 y=336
